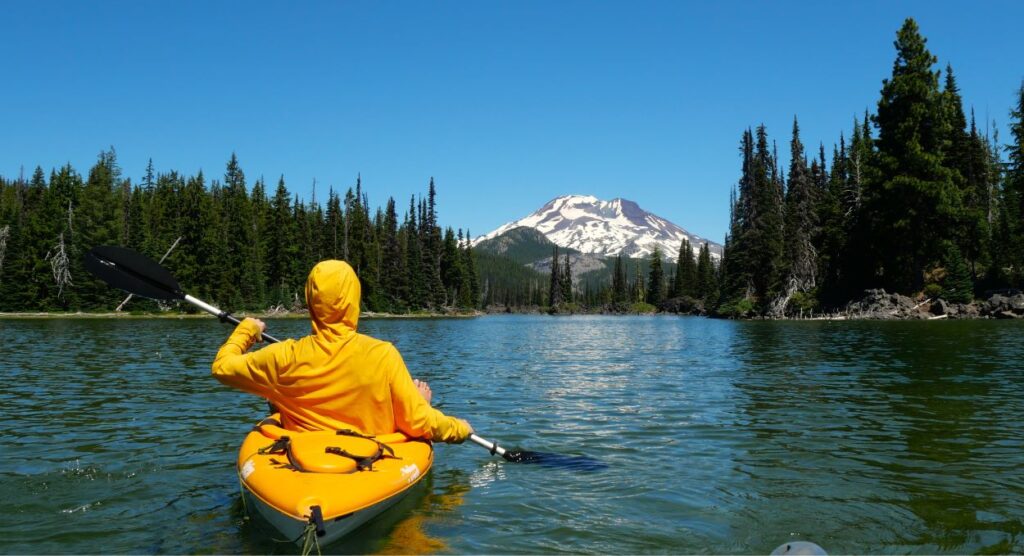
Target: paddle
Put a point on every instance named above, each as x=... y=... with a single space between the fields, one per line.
x=580 y=463
x=137 y=274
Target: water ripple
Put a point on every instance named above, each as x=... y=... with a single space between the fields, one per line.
x=718 y=437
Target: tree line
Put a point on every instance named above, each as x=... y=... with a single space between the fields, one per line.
x=240 y=247
x=926 y=206
x=637 y=285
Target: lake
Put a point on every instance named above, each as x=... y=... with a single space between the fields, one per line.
x=719 y=437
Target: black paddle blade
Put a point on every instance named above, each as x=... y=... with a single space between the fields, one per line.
x=132 y=272
x=576 y=463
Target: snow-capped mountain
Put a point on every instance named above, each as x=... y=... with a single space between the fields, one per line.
x=590 y=225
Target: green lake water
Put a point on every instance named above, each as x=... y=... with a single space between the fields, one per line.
x=719 y=437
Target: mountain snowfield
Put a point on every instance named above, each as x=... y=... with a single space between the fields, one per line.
x=608 y=228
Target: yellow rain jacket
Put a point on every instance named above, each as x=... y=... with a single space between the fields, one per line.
x=335 y=378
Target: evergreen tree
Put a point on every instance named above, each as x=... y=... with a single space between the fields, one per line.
x=417 y=281
x=738 y=263
x=800 y=257
x=619 y=281
x=393 y=273
x=706 y=283
x=685 y=283
x=282 y=243
x=94 y=221
x=765 y=234
x=555 y=289
x=237 y=284
x=432 y=248
x=639 y=294
x=451 y=267
x=1012 y=205
x=914 y=205
x=956 y=285
x=469 y=262
x=656 y=279
x=333 y=234
x=566 y=281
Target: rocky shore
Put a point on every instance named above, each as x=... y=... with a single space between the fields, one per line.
x=880 y=305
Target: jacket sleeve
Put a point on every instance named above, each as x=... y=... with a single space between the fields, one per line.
x=254 y=372
x=414 y=416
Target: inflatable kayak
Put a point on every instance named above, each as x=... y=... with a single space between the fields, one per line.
x=326 y=483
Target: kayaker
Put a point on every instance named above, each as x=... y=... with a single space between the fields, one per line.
x=334 y=378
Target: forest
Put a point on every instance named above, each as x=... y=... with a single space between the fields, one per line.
x=233 y=245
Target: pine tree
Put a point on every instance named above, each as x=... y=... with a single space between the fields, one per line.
x=414 y=258
x=639 y=294
x=472 y=272
x=333 y=234
x=765 y=234
x=686 y=272
x=656 y=279
x=1012 y=205
x=282 y=247
x=236 y=209
x=555 y=288
x=800 y=257
x=393 y=275
x=566 y=281
x=94 y=221
x=619 y=281
x=914 y=205
x=956 y=285
x=706 y=282
x=738 y=263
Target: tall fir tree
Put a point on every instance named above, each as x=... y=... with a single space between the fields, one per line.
x=914 y=205
x=799 y=256
x=567 y=291
x=555 y=288
x=619 y=281
x=765 y=234
x=707 y=282
x=1012 y=205
x=685 y=281
x=656 y=279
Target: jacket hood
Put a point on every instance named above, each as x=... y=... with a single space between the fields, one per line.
x=332 y=295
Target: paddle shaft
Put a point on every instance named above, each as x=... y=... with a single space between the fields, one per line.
x=223 y=315
x=491 y=446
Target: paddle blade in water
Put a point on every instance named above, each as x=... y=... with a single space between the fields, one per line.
x=577 y=463
x=132 y=272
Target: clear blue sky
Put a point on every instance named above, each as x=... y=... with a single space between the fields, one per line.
x=505 y=104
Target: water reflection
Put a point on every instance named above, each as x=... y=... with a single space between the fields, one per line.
x=904 y=437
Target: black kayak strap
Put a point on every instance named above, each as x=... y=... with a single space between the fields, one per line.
x=363 y=463
x=283 y=445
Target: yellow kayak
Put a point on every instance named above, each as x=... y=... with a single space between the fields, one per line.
x=327 y=482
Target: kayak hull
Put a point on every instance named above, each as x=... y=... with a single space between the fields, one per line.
x=289 y=487
x=334 y=529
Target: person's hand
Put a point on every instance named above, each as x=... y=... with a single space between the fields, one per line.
x=424 y=389
x=259 y=324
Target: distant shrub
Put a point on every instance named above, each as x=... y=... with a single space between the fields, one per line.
x=802 y=302
x=932 y=290
x=642 y=308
